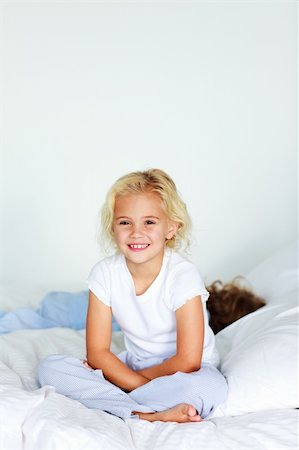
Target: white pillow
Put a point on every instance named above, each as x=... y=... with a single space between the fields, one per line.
x=276 y=275
x=259 y=358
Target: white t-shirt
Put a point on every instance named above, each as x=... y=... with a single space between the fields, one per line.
x=148 y=321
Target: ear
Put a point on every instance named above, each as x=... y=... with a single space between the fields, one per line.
x=172 y=229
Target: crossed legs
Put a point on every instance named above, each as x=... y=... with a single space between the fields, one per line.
x=175 y=398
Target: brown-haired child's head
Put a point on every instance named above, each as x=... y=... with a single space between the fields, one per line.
x=229 y=302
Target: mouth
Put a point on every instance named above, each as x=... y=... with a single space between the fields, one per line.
x=138 y=247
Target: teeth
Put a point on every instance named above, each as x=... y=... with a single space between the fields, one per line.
x=138 y=245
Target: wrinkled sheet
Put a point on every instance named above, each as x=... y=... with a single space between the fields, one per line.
x=34 y=418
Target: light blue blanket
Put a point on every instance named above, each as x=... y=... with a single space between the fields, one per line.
x=57 y=309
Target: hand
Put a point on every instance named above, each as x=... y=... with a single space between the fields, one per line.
x=85 y=363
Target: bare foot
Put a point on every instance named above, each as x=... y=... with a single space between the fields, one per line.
x=180 y=413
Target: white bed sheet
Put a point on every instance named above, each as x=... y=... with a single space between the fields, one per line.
x=41 y=419
x=47 y=420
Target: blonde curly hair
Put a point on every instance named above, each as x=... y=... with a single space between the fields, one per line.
x=152 y=180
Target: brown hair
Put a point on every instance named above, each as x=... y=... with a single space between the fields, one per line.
x=229 y=302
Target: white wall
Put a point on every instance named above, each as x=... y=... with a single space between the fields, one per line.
x=205 y=91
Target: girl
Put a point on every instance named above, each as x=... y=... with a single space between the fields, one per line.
x=168 y=371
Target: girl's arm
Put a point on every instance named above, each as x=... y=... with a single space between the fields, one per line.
x=98 y=340
x=190 y=338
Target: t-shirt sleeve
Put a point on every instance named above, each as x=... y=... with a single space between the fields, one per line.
x=186 y=284
x=98 y=282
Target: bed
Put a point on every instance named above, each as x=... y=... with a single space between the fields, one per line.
x=258 y=357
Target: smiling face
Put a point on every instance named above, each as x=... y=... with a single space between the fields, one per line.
x=141 y=227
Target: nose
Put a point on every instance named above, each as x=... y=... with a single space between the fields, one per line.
x=137 y=231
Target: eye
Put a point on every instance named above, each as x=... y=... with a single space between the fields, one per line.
x=123 y=222
x=149 y=222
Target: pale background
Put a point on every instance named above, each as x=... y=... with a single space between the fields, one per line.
x=91 y=90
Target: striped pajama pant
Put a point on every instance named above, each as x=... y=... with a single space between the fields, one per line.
x=204 y=389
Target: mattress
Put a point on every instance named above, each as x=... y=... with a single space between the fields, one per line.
x=258 y=356
x=39 y=418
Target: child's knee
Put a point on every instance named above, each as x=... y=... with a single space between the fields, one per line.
x=47 y=366
x=220 y=383
x=222 y=387
x=217 y=383
x=212 y=382
x=52 y=361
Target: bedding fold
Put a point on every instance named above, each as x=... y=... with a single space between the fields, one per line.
x=57 y=309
